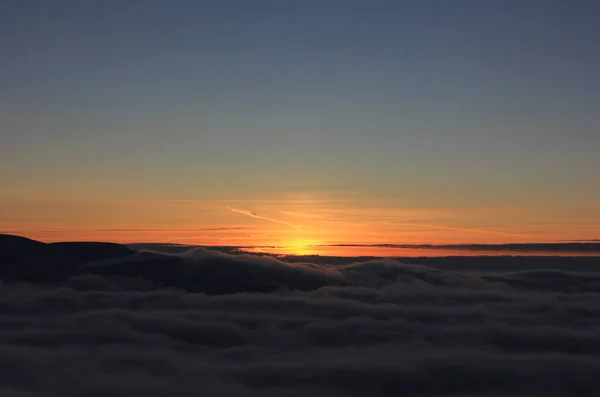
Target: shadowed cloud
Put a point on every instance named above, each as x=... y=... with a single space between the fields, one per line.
x=137 y=322
x=587 y=246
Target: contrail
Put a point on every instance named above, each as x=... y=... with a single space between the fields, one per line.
x=253 y=214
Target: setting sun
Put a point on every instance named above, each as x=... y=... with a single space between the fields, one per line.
x=300 y=247
x=291 y=247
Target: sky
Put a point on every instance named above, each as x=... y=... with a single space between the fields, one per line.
x=293 y=123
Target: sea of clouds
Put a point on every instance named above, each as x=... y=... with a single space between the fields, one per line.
x=197 y=322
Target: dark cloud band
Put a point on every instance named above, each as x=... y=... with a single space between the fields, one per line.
x=120 y=322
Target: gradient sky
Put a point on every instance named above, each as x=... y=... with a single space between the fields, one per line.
x=297 y=122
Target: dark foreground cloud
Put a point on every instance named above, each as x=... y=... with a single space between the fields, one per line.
x=151 y=324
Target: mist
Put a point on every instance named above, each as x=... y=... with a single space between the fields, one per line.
x=126 y=322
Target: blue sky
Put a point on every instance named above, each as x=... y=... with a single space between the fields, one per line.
x=413 y=103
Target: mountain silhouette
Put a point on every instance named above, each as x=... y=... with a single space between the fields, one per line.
x=24 y=259
x=9 y=242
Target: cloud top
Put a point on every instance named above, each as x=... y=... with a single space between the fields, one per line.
x=201 y=322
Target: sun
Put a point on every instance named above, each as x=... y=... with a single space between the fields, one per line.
x=300 y=247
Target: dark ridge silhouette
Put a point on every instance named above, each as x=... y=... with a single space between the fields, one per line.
x=83 y=252
x=179 y=248
x=19 y=256
x=23 y=259
x=16 y=244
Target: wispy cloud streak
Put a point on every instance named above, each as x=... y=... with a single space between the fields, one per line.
x=253 y=214
x=449 y=228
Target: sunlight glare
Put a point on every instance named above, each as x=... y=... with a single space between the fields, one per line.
x=300 y=247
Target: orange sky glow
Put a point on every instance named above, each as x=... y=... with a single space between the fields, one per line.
x=302 y=225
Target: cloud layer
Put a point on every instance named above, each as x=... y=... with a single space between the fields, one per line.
x=589 y=246
x=201 y=322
